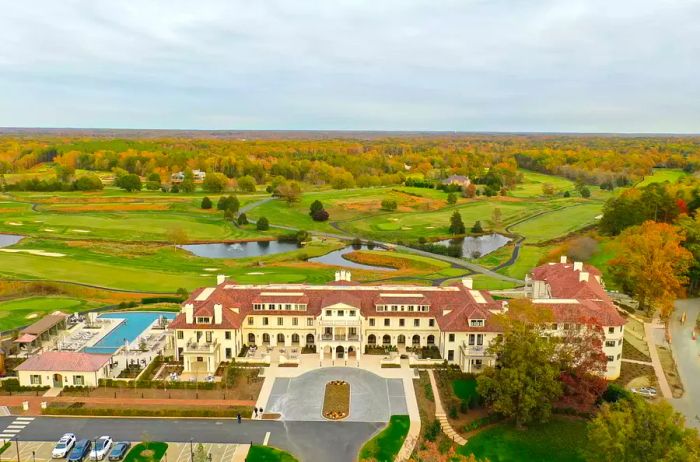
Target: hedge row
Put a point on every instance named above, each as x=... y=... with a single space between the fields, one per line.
x=232 y=411
x=12 y=385
x=111 y=383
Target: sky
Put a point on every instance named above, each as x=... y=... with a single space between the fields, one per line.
x=471 y=65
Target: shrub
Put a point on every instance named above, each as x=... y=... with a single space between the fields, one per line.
x=206 y=203
x=432 y=430
x=242 y=219
x=615 y=393
x=231 y=411
x=389 y=205
x=320 y=215
x=478 y=423
x=262 y=224
x=452 y=411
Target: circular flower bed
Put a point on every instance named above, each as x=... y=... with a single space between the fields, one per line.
x=336 y=402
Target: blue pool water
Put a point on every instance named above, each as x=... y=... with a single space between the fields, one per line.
x=135 y=322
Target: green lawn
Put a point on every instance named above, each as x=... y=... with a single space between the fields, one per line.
x=386 y=444
x=484 y=282
x=527 y=259
x=268 y=454
x=150 y=268
x=465 y=389
x=22 y=311
x=113 y=214
x=533 y=181
x=559 y=223
x=136 y=454
x=560 y=440
x=661 y=175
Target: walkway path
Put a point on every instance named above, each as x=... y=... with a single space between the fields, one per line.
x=634 y=361
x=655 y=361
x=440 y=413
x=686 y=352
x=414 y=416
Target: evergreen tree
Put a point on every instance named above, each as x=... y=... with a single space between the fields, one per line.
x=456 y=224
x=262 y=224
x=206 y=203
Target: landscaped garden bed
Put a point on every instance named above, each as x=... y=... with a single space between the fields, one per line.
x=336 y=402
x=86 y=409
x=147 y=452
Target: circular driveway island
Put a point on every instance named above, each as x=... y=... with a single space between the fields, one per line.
x=372 y=398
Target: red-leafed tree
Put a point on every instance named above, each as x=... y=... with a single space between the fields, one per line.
x=582 y=363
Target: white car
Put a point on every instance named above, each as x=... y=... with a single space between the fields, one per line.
x=647 y=392
x=63 y=446
x=101 y=448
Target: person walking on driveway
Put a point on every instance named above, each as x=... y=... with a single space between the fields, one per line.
x=239 y=417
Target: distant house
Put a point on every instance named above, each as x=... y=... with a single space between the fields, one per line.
x=63 y=368
x=460 y=180
x=179 y=177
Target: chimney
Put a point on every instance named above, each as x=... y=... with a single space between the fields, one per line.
x=338 y=275
x=342 y=275
x=348 y=276
x=583 y=276
x=189 y=313
x=468 y=283
x=218 y=313
x=562 y=259
x=578 y=266
x=220 y=279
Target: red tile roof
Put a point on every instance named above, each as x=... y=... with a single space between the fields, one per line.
x=565 y=283
x=363 y=297
x=65 y=361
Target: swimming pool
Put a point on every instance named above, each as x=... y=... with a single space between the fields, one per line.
x=133 y=325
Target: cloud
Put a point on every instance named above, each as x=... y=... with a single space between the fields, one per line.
x=494 y=65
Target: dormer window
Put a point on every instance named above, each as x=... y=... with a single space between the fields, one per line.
x=203 y=320
x=476 y=323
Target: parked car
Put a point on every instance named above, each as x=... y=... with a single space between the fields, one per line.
x=647 y=392
x=119 y=450
x=102 y=447
x=79 y=451
x=63 y=446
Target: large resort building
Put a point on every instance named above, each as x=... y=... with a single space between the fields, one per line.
x=341 y=319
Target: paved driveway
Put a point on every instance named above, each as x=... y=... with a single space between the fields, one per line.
x=686 y=351
x=372 y=398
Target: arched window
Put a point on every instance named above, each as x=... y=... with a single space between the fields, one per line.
x=386 y=340
x=309 y=339
x=251 y=338
x=295 y=338
x=431 y=340
x=372 y=339
x=415 y=341
x=266 y=338
x=280 y=339
x=401 y=340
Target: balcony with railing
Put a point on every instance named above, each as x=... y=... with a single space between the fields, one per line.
x=474 y=350
x=201 y=347
x=352 y=322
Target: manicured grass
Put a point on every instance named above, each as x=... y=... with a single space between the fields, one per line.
x=150 y=268
x=147 y=452
x=23 y=311
x=434 y=224
x=661 y=175
x=465 y=389
x=559 y=440
x=484 y=282
x=113 y=214
x=559 y=223
x=527 y=259
x=385 y=445
x=533 y=181
x=268 y=454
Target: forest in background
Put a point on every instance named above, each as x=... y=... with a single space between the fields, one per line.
x=607 y=161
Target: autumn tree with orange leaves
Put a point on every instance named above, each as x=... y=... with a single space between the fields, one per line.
x=652 y=265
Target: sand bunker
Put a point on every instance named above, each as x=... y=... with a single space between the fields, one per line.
x=49 y=230
x=39 y=253
x=32 y=316
x=255 y=273
x=80 y=231
x=14 y=223
x=211 y=269
x=430 y=227
x=598 y=217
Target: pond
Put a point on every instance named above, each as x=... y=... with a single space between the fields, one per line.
x=478 y=246
x=240 y=249
x=335 y=258
x=7 y=240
